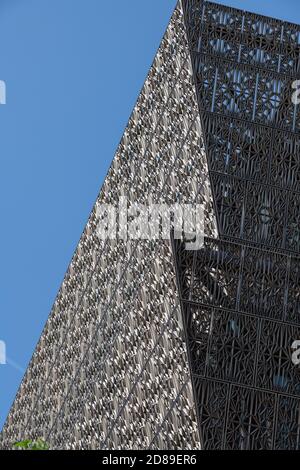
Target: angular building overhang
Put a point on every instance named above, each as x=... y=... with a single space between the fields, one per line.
x=130 y=359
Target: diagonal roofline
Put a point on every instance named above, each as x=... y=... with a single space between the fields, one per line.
x=258 y=15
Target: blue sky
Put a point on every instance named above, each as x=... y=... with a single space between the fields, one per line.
x=73 y=70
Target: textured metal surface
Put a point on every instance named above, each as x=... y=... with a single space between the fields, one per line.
x=110 y=370
x=241 y=317
x=240 y=301
x=244 y=67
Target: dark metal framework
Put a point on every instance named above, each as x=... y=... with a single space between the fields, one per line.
x=241 y=310
x=240 y=294
x=244 y=69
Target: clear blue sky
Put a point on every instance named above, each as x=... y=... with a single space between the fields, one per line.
x=73 y=70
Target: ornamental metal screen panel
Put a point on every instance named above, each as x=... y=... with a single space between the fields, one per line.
x=241 y=319
x=244 y=69
x=130 y=359
x=110 y=370
x=240 y=294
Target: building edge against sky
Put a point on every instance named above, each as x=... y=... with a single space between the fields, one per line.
x=128 y=361
x=110 y=370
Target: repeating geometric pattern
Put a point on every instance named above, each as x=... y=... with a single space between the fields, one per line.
x=244 y=67
x=239 y=331
x=131 y=359
x=240 y=294
x=110 y=370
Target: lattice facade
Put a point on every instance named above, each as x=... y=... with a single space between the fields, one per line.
x=240 y=294
x=244 y=67
x=110 y=370
x=127 y=360
x=242 y=316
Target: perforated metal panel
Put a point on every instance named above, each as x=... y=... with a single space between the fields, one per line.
x=240 y=294
x=128 y=361
x=110 y=370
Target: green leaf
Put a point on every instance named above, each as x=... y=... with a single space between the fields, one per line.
x=39 y=444
x=23 y=444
